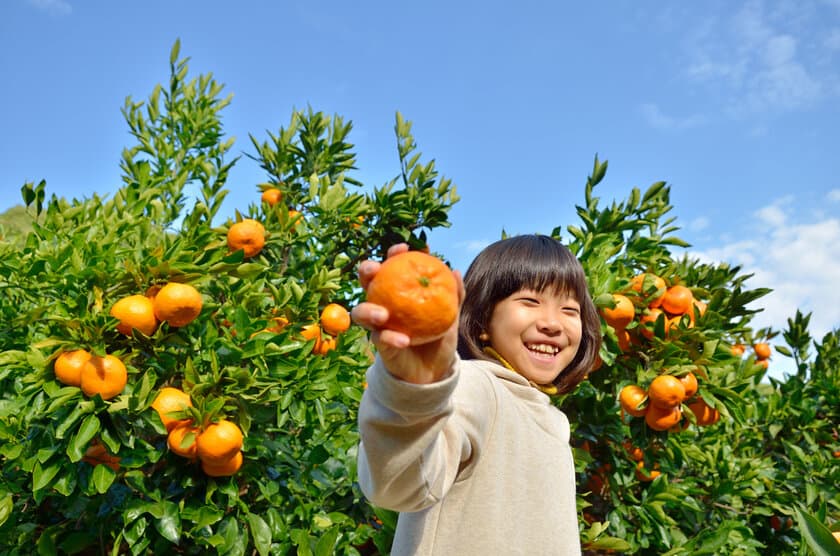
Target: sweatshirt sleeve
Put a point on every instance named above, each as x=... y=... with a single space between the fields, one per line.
x=415 y=438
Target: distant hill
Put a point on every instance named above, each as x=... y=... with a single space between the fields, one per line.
x=15 y=222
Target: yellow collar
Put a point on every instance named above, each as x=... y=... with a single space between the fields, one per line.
x=549 y=389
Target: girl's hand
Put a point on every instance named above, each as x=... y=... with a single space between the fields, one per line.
x=417 y=363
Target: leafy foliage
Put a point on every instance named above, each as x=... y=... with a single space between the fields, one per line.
x=763 y=480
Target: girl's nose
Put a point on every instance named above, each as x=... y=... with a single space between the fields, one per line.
x=549 y=324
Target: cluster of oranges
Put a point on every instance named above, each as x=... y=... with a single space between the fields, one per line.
x=217 y=445
x=106 y=375
x=175 y=303
x=636 y=454
x=249 y=235
x=661 y=403
x=650 y=297
x=761 y=350
x=333 y=321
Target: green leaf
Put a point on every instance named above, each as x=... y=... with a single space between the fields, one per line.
x=6 y=506
x=202 y=516
x=43 y=476
x=70 y=420
x=103 y=477
x=173 y=54
x=816 y=535
x=260 y=533
x=326 y=544
x=46 y=544
x=169 y=524
x=80 y=441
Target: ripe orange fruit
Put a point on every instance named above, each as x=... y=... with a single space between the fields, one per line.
x=224 y=468
x=704 y=414
x=648 y=323
x=623 y=339
x=135 y=311
x=183 y=440
x=106 y=376
x=689 y=382
x=169 y=400
x=68 y=366
x=335 y=319
x=178 y=304
x=644 y=475
x=666 y=392
x=219 y=441
x=762 y=350
x=248 y=235
x=279 y=324
x=327 y=344
x=650 y=286
x=631 y=398
x=662 y=419
x=295 y=217
x=622 y=314
x=271 y=196
x=738 y=350
x=312 y=332
x=678 y=300
x=420 y=293
x=635 y=453
x=97 y=454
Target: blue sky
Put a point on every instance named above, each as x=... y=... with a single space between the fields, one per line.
x=734 y=103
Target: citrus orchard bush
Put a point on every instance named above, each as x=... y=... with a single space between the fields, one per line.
x=684 y=445
x=231 y=428
x=223 y=372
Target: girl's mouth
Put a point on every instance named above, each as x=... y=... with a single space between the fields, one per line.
x=543 y=349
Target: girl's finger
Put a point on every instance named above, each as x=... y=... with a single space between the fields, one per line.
x=367 y=270
x=369 y=315
x=391 y=338
x=397 y=248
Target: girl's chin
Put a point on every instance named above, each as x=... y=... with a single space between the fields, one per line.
x=540 y=376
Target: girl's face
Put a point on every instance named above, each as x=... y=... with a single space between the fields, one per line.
x=538 y=333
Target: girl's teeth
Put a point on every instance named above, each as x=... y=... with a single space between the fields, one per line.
x=543 y=348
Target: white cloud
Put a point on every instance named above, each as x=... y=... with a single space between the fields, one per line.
x=657 y=119
x=771 y=215
x=53 y=7
x=799 y=261
x=473 y=246
x=755 y=62
x=698 y=224
x=834 y=195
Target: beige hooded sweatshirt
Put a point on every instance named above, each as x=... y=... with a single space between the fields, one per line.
x=477 y=464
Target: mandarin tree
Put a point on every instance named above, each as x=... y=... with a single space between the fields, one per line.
x=709 y=492
x=229 y=338
x=86 y=474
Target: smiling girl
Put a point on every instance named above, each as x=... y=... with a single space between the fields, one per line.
x=459 y=434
